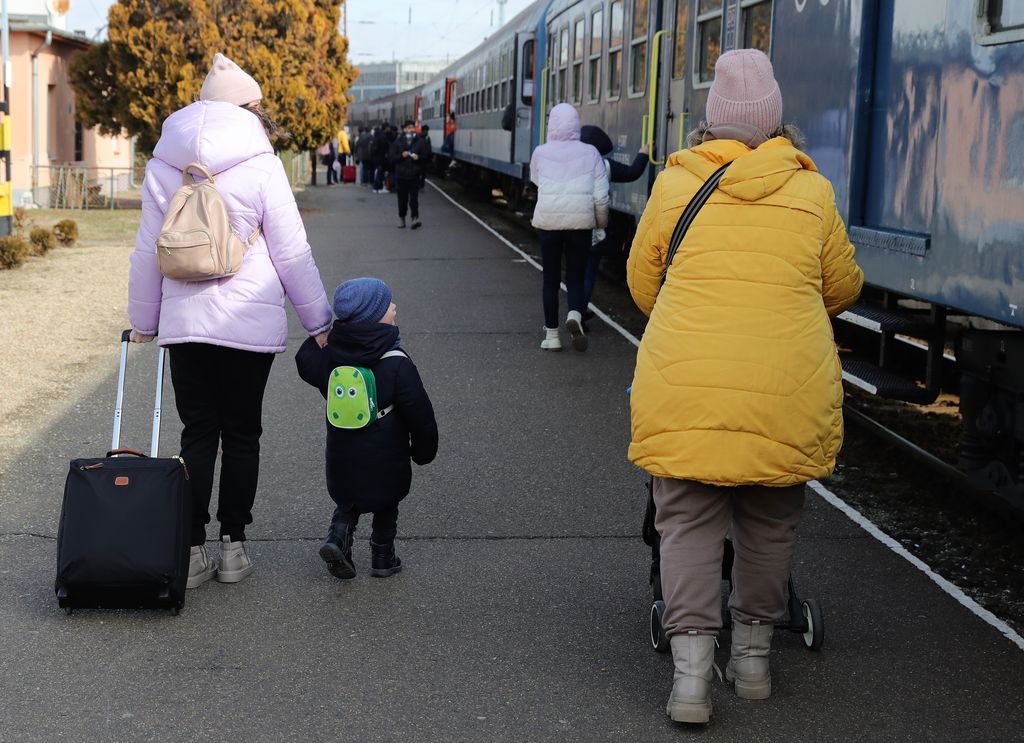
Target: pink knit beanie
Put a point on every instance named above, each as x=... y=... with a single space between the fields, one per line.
x=229 y=83
x=745 y=91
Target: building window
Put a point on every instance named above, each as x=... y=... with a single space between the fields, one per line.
x=709 y=33
x=756 y=22
x=578 y=41
x=679 y=42
x=596 y=44
x=638 y=48
x=615 y=50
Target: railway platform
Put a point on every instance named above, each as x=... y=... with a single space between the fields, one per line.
x=522 y=610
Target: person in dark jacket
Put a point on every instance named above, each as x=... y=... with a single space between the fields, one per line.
x=406 y=155
x=606 y=243
x=368 y=468
x=425 y=160
x=381 y=143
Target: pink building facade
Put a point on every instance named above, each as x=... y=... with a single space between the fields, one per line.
x=46 y=140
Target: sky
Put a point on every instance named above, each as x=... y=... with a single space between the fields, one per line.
x=379 y=30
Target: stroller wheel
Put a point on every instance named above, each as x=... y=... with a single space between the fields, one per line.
x=814 y=635
x=658 y=640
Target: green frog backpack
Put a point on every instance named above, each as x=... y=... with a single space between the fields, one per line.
x=352 y=396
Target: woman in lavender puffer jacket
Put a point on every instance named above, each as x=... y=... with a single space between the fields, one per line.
x=572 y=199
x=222 y=334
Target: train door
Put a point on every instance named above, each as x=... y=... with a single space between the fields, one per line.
x=523 y=97
x=417 y=107
x=672 y=106
x=900 y=127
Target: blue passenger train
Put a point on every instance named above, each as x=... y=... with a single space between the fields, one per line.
x=912 y=109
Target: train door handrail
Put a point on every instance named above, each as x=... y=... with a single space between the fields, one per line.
x=544 y=103
x=652 y=92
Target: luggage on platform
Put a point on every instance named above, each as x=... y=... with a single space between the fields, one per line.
x=125 y=523
x=348 y=174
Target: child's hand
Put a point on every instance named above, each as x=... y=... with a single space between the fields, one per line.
x=321 y=340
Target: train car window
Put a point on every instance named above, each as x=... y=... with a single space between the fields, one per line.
x=709 y=31
x=563 y=63
x=527 y=92
x=579 y=38
x=596 y=43
x=638 y=48
x=756 y=21
x=1000 y=21
x=552 y=93
x=615 y=50
x=679 y=41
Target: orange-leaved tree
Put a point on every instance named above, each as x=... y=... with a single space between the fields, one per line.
x=157 y=55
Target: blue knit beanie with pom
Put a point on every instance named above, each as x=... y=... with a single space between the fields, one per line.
x=361 y=300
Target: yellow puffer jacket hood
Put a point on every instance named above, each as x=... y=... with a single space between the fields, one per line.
x=737 y=378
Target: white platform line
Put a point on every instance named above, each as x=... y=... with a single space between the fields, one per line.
x=966 y=601
x=597 y=312
x=853 y=514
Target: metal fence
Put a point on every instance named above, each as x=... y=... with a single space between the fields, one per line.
x=78 y=187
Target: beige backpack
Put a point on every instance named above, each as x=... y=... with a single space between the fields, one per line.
x=197 y=242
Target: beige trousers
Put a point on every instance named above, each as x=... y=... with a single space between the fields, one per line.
x=692 y=519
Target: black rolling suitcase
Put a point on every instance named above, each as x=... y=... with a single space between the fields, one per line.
x=124 y=526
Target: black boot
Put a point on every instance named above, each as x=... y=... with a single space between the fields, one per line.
x=336 y=550
x=383 y=560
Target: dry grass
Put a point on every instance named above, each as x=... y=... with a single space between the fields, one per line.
x=62 y=314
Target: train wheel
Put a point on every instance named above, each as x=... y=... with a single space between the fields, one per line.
x=814 y=635
x=658 y=640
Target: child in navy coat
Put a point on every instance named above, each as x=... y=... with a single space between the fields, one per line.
x=368 y=469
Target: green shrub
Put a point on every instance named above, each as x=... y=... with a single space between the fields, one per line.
x=66 y=232
x=14 y=251
x=42 y=240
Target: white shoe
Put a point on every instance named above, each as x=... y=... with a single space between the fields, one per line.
x=574 y=326
x=551 y=341
x=234 y=561
x=200 y=567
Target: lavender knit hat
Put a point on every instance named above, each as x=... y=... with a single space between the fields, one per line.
x=745 y=91
x=361 y=300
x=229 y=83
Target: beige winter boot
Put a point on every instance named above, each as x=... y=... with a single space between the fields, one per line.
x=748 y=662
x=694 y=657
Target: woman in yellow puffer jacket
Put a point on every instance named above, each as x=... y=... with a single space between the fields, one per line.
x=737 y=396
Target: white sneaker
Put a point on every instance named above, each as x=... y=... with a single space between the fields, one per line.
x=551 y=341
x=200 y=567
x=574 y=326
x=234 y=561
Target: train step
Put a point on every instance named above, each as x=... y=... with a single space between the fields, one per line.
x=877 y=381
x=880 y=320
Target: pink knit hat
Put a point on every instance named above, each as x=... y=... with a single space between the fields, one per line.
x=229 y=83
x=745 y=91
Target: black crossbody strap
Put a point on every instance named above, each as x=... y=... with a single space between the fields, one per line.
x=689 y=214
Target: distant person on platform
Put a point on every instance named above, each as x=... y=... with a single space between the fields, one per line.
x=450 y=127
x=406 y=154
x=425 y=160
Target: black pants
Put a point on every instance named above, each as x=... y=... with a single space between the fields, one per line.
x=408 y=196
x=575 y=244
x=332 y=177
x=385 y=522
x=219 y=396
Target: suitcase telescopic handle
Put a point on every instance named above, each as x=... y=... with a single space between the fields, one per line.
x=154 y=443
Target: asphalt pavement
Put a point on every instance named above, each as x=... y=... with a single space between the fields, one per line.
x=522 y=610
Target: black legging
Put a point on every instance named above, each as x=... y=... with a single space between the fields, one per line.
x=576 y=245
x=219 y=395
